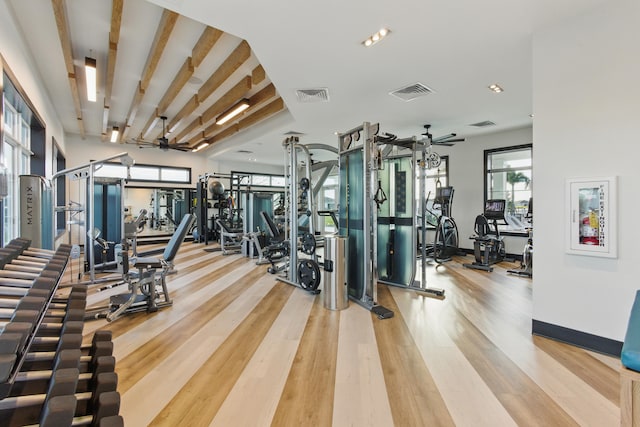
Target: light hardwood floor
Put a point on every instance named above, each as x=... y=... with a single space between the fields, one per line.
x=238 y=348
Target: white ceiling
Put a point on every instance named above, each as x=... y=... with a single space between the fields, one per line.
x=457 y=48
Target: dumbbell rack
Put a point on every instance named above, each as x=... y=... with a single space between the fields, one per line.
x=47 y=377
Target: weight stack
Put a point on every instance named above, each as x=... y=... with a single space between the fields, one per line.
x=336 y=291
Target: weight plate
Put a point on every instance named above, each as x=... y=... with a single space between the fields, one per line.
x=304 y=184
x=308 y=274
x=434 y=160
x=308 y=243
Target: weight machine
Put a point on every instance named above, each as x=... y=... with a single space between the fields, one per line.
x=358 y=157
x=488 y=246
x=301 y=272
x=211 y=194
x=93 y=202
x=396 y=224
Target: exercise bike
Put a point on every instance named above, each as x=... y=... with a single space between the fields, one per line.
x=526 y=265
x=488 y=246
x=445 y=242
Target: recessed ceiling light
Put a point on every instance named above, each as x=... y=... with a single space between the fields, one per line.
x=495 y=87
x=376 y=37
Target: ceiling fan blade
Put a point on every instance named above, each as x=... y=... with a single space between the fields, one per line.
x=444 y=137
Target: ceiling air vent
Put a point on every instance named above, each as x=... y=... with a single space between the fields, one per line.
x=320 y=94
x=410 y=92
x=293 y=133
x=483 y=124
x=244 y=151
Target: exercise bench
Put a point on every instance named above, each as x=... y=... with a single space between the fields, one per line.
x=147 y=287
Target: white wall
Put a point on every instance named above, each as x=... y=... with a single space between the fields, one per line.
x=466 y=175
x=17 y=56
x=586 y=110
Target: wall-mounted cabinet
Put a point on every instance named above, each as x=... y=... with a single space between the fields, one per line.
x=591 y=209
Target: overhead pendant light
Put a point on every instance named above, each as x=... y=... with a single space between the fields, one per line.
x=200 y=147
x=232 y=112
x=115 y=132
x=90 y=77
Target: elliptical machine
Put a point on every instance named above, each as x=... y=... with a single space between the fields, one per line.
x=526 y=265
x=445 y=242
x=488 y=246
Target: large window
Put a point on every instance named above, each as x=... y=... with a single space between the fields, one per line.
x=146 y=173
x=508 y=176
x=251 y=179
x=16 y=153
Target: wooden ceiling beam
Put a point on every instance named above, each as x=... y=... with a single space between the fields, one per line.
x=264 y=95
x=204 y=45
x=165 y=27
x=274 y=106
x=180 y=79
x=133 y=110
x=258 y=75
x=200 y=50
x=60 y=14
x=235 y=59
x=270 y=109
x=114 y=38
x=239 y=55
x=227 y=100
x=260 y=97
x=266 y=111
x=187 y=109
x=195 y=124
x=197 y=138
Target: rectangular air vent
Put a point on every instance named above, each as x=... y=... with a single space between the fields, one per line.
x=293 y=133
x=410 y=92
x=320 y=94
x=244 y=151
x=483 y=124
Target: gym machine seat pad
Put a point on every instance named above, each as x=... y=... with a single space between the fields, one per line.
x=630 y=356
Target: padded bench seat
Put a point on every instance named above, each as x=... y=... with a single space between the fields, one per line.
x=148 y=262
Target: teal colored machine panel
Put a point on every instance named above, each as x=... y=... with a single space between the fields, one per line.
x=396 y=232
x=352 y=219
x=261 y=202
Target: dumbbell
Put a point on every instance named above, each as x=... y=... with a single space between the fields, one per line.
x=35 y=381
x=101 y=345
x=30 y=308
x=20 y=332
x=89 y=385
x=101 y=400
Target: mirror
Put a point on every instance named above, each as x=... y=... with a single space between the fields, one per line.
x=165 y=207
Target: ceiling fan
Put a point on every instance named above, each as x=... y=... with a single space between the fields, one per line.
x=163 y=141
x=446 y=140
